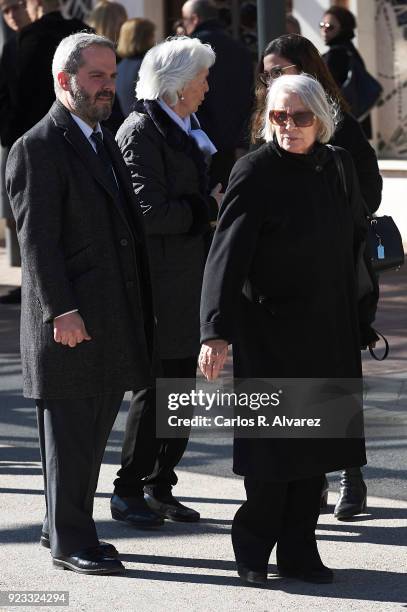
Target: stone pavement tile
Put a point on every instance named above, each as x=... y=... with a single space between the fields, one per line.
x=190 y=567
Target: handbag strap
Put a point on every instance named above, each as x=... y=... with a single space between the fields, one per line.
x=386 y=350
x=342 y=175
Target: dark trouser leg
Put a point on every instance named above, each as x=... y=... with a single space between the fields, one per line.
x=103 y=423
x=257 y=523
x=72 y=439
x=41 y=436
x=296 y=545
x=170 y=451
x=146 y=460
x=140 y=446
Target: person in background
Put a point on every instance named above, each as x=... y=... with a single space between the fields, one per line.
x=225 y=124
x=178 y=28
x=14 y=13
x=284 y=204
x=338 y=27
x=292 y=25
x=136 y=38
x=36 y=47
x=168 y=156
x=293 y=54
x=107 y=18
x=31 y=73
x=248 y=27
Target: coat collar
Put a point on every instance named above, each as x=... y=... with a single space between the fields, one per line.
x=319 y=156
x=74 y=135
x=176 y=137
x=61 y=117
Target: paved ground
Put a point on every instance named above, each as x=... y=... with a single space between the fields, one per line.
x=190 y=567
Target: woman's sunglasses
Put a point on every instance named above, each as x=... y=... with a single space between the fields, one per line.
x=326 y=26
x=274 y=73
x=300 y=119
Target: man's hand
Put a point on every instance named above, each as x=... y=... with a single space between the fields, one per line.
x=70 y=329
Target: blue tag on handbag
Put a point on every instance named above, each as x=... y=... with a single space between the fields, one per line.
x=380 y=252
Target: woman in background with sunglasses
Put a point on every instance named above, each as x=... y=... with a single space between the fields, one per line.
x=280 y=285
x=293 y=54
x=337 y=29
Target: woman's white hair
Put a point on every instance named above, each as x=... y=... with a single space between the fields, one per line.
x=169 y=66
x=314 y=97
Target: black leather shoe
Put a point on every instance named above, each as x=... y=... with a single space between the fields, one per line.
x=105 y=548
x=352 y=496
x=90 y=561
x=251 y=576
x=135 y=512
x=318 y=575
x=170 y=508
x=324 y=494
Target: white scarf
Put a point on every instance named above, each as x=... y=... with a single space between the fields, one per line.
x=201 y=138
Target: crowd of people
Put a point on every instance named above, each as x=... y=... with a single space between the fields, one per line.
x=149 y=253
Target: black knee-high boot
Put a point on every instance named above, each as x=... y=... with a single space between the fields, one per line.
x=353 y=493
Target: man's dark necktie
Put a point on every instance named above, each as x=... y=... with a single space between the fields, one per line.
x=105 y=159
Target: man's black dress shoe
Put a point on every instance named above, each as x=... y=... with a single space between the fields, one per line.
x=353 y=494
x=89 y=561
x=135 y=512
x=170 y=508
x=317 y=575
x=251 y=576
x=105 y=548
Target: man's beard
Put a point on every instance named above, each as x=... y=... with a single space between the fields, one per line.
x=85 y=105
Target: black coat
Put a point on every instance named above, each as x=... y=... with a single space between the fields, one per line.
x=225 y=112
x=169 y=176
x=285 y=228
x=337 y=60
x=81 y=249
x=37 y=43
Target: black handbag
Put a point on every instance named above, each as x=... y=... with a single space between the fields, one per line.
x=383 y=239
x=360 y=89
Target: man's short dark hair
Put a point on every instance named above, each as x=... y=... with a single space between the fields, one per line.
x=205 y=9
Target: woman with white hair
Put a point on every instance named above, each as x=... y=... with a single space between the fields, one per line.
x=168 y=156
x=280 y=285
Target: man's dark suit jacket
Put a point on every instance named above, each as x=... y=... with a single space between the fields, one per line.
x=81 y=248
x=225 y=112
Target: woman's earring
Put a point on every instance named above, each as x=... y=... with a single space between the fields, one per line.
x=181 y=97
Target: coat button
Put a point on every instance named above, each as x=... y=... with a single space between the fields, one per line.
x=318 y=168
x=124 y=242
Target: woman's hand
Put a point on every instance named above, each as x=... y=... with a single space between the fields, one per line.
x=216 y=193
x=212 y=358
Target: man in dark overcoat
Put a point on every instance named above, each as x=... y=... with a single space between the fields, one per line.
x=87 y=320
x=224 y=117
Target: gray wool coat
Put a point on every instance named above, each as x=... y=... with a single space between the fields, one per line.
x=83 y=247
